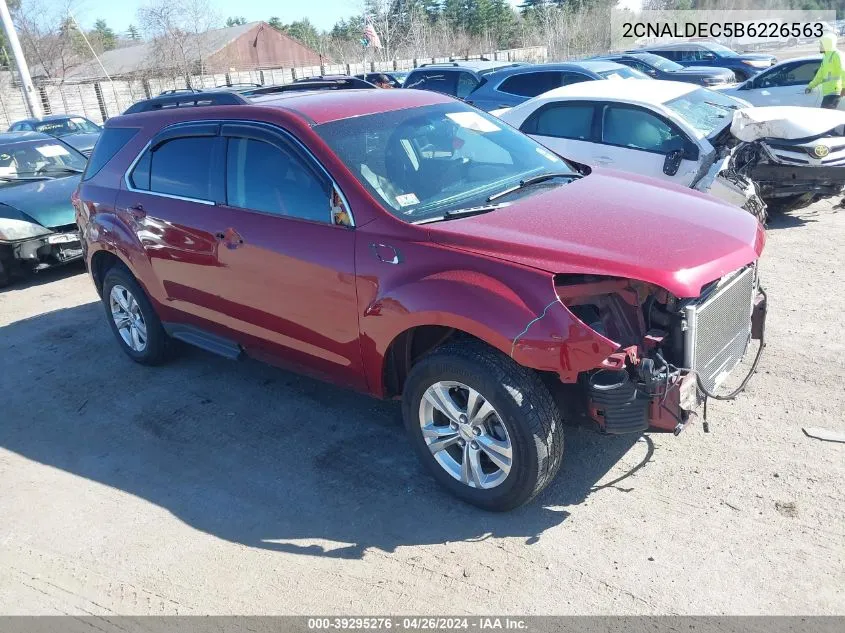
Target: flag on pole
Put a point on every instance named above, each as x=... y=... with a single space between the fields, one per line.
x=371 y=38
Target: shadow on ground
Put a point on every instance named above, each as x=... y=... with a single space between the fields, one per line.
x=250 y=453
x=790 y=219
x=46 y=276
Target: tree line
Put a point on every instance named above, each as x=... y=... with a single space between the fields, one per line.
x=53 y=41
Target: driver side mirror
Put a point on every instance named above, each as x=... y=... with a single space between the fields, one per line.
x=708 y=57
x=672 y=163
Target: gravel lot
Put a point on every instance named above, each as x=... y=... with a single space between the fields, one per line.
x=209 y=486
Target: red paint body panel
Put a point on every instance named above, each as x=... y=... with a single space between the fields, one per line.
x=615 y=224
x=318 y=297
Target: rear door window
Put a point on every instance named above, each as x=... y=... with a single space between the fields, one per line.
x=437 y=80
x=574 y=78
x=180 y=167
x=531 y=84
x=570 y=120
x=466 y=84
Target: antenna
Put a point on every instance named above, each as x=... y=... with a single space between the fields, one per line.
x=91 y=48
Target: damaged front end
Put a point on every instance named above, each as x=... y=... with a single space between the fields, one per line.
x=794 y=155
x=722 y=181
x=671 y=353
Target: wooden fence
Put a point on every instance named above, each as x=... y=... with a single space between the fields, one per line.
x=100 y=99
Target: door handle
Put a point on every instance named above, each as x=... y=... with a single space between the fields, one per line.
x=603 y=160
x=137 y=211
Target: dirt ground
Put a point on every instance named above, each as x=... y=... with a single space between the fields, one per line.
x=216 y=487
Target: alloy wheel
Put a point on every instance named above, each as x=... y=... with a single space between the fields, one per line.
x=465 y=434
x=128 y=318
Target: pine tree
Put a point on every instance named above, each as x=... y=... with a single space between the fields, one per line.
x=132 y=33
x=103 y=33
x=235 y=21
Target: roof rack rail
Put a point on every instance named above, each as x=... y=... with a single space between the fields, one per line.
x=178 y=91
x=347 y=83
x=187 y=100
x=240 y=84
x=449 y=63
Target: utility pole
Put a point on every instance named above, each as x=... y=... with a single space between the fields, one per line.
x=26 y=81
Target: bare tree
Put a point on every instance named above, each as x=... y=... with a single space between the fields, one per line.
x=178 y=34
x=50 y=38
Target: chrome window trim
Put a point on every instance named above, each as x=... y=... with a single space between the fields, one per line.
x=130 y=187
x=273 y=128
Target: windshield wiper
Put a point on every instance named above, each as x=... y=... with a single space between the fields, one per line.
x=59 y=170
x=527 y=182
x=462 y=213
x=23 y=178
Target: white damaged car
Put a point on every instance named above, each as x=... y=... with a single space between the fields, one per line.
x=682 y=133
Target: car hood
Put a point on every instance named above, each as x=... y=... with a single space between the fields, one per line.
x=45 y=201
x=703 y=71
x=784 y=122
x=754 y=57
x=82 y=142
x=615 y=224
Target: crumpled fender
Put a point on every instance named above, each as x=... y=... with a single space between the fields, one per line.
x=532 y=326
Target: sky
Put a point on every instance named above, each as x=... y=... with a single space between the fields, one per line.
x=119 y=14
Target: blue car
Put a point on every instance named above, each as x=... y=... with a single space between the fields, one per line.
x=38 y=174
x=711 y=54
x=509 y=87
x=75 y=130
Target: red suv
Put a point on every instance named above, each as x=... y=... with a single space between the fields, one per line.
x=410 y=246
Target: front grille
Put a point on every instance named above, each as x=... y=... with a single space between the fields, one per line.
x=719 y=329
x=65 y=228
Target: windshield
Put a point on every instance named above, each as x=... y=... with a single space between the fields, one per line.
x=63 y=127
x=422 y=162
x=38 y=159
x=623 y=72
x=705 y=110
x=721 y=51
x=661 y=63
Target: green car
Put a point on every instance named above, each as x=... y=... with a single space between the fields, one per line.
x=38 y=174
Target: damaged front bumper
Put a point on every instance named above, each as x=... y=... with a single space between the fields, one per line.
x=638 y=393
x=783 y=180
x=54 y=249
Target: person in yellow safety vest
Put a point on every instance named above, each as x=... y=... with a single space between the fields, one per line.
x=830 y=74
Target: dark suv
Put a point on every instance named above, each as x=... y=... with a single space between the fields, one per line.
x=456 y=79
x=405 y=244
x=713 y=55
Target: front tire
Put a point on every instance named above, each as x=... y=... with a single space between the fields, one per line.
x=486 y=428
x=133 y=320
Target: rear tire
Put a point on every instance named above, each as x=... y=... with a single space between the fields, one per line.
x=133 y=320
x=501 y=421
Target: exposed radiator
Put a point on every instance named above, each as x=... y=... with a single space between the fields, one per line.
x=719 y=329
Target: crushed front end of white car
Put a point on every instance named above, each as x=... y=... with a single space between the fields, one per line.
x=794 y=155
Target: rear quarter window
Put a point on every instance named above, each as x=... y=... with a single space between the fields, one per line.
x=110 y=141
x=531 y=84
